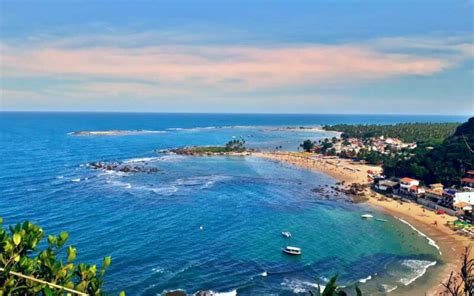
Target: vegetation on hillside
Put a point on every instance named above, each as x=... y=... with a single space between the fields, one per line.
x=445 y=163
x=25 y=269
x=426 y=133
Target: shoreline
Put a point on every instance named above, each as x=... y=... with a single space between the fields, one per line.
x=451 y=245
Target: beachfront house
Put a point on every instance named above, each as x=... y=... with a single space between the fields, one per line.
x=387 y=186
x=466 y=197
x=435 y=192
x=468 y=179
x=407 y=184
x=416 y=190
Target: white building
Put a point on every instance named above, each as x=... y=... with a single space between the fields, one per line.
x=467 y=197
x=406 y=183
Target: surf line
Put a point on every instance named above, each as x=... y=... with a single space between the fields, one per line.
x=430 y=240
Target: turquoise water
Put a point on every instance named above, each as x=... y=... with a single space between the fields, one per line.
x=151 y=223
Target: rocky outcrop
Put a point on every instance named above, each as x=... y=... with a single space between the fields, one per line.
x=354 y=192
x=121 y=167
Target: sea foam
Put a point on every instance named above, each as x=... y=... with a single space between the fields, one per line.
x=418 y=267
x=430 y=241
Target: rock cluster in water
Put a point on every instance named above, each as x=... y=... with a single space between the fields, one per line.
x=121 y=167
x=354 y=192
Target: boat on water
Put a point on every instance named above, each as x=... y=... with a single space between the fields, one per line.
x=286 y=233
x=292 y=250
x=366 y=216
x=381 y=220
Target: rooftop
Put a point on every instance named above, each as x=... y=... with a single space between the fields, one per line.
x=407 y=180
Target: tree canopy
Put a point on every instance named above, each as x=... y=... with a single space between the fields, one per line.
x=427 y=133
x=445 y=163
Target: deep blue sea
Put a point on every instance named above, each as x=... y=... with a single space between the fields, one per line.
x=201 y=223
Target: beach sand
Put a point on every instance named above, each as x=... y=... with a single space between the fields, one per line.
x=450 y=243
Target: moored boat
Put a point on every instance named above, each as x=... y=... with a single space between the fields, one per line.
x=286 y=233
x=366 y=216
x=292 y=250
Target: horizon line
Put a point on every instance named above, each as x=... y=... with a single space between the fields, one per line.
x=231 y=113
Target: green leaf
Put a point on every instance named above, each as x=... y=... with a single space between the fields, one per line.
x=63 y=236
x=106 y=262
x=16 y=239
x=122 y=293
x=47 y=291
x=71 y=253
x=1 y=220
x=52 y=239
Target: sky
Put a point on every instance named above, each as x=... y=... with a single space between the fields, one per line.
x=366 y=57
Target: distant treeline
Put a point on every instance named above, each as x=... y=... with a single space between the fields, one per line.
x=426 y=133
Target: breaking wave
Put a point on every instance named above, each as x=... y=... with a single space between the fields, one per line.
x=417 y=268
x=299 y=286
x=430 y=241
x=364 y=280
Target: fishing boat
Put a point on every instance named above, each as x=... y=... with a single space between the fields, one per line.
x=286 y=234
x=292 y=250
x=366 y=216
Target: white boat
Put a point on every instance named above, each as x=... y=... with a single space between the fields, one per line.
x=286 y=234
x=292 y=250
x=366 y=216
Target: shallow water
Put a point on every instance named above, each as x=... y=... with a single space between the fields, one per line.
x=151 y=223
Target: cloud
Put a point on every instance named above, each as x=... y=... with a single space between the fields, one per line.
x=228 y=67
x=110 y=69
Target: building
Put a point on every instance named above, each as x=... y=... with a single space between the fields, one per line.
x=466 y=197
x=416 y=190
x=387 y=186
x=448 y=198
x=462 y=206
x=407 y=183
x=468 y=181
x=435 y=192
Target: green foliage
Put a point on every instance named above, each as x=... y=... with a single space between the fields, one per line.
x=19 y=253
x=231 y=146
x=235 y=146
x=332 y=289
x=307 y=145
x=445 y=163
x=422 y=133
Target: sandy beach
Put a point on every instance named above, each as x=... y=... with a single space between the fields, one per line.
x=451 y=244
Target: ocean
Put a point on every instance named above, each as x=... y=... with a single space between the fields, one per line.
x=201 y=223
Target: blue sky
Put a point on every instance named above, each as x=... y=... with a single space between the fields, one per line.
x=398 y=57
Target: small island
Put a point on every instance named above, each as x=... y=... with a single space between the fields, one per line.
x=233 y=147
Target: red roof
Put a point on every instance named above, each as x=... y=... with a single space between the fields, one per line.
x=470 y=172
x=413 y=187
x=467 y=180
x=407 y=180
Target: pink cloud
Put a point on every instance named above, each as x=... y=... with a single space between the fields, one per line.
x=219 y=67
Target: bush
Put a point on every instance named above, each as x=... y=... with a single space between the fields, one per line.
x=26 y=270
